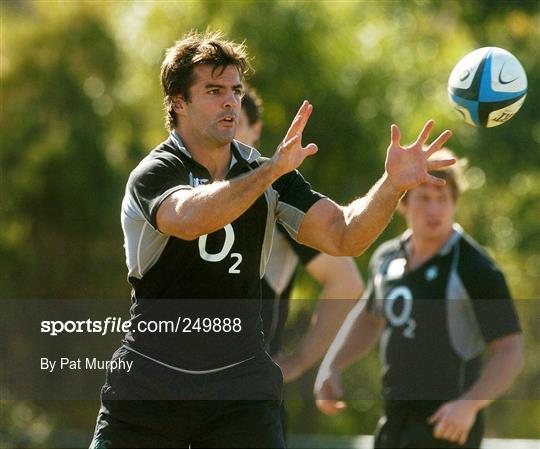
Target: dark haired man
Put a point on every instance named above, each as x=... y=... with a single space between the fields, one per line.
x=198 y=216
x=435 y=300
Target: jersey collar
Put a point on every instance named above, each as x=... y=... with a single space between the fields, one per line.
x=179 y=144
x=245 y=152
x=240 y=151
x=452 y=240
x=457 y=233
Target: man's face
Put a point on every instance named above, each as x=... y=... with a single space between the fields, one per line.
x=246 y=133
x=213 y=110
x=429 y=212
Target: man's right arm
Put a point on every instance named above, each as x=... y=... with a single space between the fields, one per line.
x=341 y=286
x=356 y=337
x=359 y=333
x=190 y=213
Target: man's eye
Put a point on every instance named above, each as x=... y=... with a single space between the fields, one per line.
x=213 y=92
x=239 y=92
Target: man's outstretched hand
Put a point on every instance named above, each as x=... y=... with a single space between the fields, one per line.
x=290 y=152
x=409 y=166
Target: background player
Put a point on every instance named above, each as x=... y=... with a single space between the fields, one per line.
x=435 y=299
x=338 y=277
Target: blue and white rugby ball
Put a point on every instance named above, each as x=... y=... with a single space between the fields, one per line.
x=488 y=86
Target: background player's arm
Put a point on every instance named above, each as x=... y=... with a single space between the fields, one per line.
x=190 y=213
x=454 y=419
x=504 y=364
x=348 y=231
x=357 y=336
x=500 y=327
x=341 y=286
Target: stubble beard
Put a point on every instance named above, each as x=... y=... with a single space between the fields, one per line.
x=222 y=137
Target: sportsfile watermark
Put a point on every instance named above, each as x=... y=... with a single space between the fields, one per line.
x=117 y=325
x=70 y=349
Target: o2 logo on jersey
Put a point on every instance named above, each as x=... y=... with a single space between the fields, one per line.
x=227 y=246
x=404 y=317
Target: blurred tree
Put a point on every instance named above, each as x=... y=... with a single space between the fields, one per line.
x=59 y=235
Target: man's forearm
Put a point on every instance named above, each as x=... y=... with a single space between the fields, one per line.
x=367 y=217
x=326 y=322
x=356 y=337
x=498 y=374
x=208 y=208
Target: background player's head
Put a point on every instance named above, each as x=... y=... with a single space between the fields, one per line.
x=191 y=75
x=250 y=124
x=429 y=210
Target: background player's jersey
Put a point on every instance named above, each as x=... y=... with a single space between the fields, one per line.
x=277 y=285
x=215 y=276
x=439 y=316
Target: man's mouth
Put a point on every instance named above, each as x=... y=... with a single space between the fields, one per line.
x=230 y=119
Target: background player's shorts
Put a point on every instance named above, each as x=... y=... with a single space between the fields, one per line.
x=412 y=431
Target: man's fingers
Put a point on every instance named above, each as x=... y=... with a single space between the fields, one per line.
x=339 y=406
x=438 y=430
x=430 y=179
x=311 y=149
x=330 y=407
x=436 y=164
x=395 y=135
x=424 y=134
x=452 y=434
x=445 y=431
x=304 y=117
x=437 y=144
x=435 y=417
x=289 y=143
x=442 y=431
x=327 y=406
x=294 y=125
x=300 y=120
x=463 y=438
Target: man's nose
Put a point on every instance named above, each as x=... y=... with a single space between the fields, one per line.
x=232 y=100
x=434 y=207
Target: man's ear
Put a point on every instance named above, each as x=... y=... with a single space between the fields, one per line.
x=179 y=105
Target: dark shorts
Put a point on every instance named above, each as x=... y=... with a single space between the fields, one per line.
x=183 y=424
x=154 y=406
x=402 y=429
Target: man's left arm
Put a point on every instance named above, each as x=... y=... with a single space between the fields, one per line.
x=454 y=419
x=341 y=285
x=499 y=324
x=349 y=230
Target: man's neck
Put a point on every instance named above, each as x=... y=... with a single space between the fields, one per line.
x=216 y=159
x=420 y=250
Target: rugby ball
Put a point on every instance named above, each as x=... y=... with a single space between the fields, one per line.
x=487 y=87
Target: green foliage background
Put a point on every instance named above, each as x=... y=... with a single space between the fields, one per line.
x=81 y=105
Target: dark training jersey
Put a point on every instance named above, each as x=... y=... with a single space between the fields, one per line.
x=439 y=317
x=277 y=285
x=215 y=277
